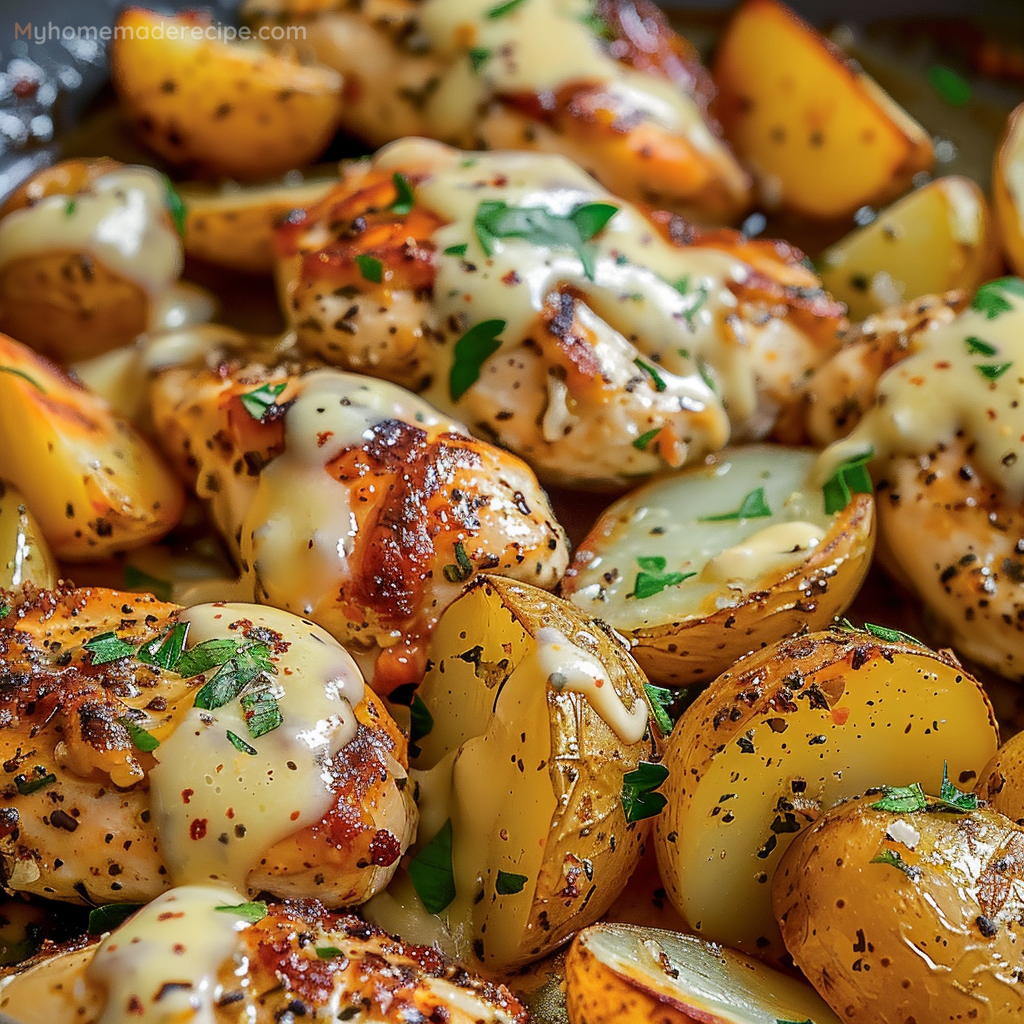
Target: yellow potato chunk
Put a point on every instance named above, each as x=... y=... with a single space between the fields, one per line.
x=820 y=136
x=1008 y=190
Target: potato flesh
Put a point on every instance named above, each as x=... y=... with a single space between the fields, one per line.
x=1008 y=190
x=621 y=972
x=758 y=757
x=822 y=138
x=24 y=554
x=938 y=238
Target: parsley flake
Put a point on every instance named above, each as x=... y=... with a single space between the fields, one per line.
x=902 y=799
x=234 y=675
x=977 y=347
x=431 y=871
x=891 y=636
x=991 y=299
x=141 y=739
x=107 y=647
x=241 y=746
x=166 y=650
x=5 y=609
x=508 y=884
x=456 y=250
x=209 y=654
x=462 y=568
x=504 y=9
x=478 y=57
x=472 y=350
x=660 y=700
x=403 y=203
x=421 y=721
x=262 y=403
x=893 y=859
x=261 y=711
x=955 y=799
x=641 y=443
x=700 y=296
x=992 y=371
x=42 y=778
x=175 y=206
x=953 y=88
x=252 y=912
x=328 y=952
x=849 y=478
x=108 y=917
x=24 y=376
x=652 y=578
x=370 y=267
x=69 y=207
x=656 y=378
x=639 y=799
x=753 y=506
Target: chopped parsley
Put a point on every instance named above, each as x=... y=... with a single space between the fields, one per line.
x=977 y=347
x=700 y=296
x=891 y=636
x=431 y=871
x=328 y=952
x=175 y=206
x=991 y=299
x=992 y=371
x=41 y=778
x=24 y=376
x=660 y=700
x=141 y=738
x=370 y=267
x=893 y=859
x=646 y=438
x=656 y=378
x=753 y=506
x=503 y=9
x=240 y=670
x=107 y=647
x=639 y=799
x=421 y=721
x=404 y=200
x=456 y=250
x=262 y=402
x=137 y=579
x=5 y=609
x=462 y=568
x=536 y=224
x=953 y=88
x=955 y=799
x=261 y=711
x=472 y=350
x=240 y=745
x=166 y=650
x=252 y=912
x=69 y=207
x=597 y=25
x=478 y=57
x=508 y=884
x=902 y=799
x=209 y=654
x=849 y=478
x=652 y=578
x=705 y=375
x=108 y=917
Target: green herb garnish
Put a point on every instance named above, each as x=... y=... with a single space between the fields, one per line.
x=421 y=721
x=953 y=88
x=456 y=250
x=660 y=700
x=478 y=57
x=705 y=375
x=639 y=799
x=955 y=799
x=992 y=371
x=24 y=376
x=646 y=438
x=656 y=378
x=891 y=636
x=261 y=711
x=893 y=859
x=234 y=675
x=328 y=952
x=136 y=579
x=501 y=10
x=241 y=746
x=251 y=912
x=991 y=300
x=42 y=778
x=166 y=650
x=753 y=506
x=260 y=402
x=175 y=206
x=370 y=267
x=5 y=609
x=652 y=578
x=508 y=884
x=209 y=654
x=106 y=647
x=849 y=478
x=472 y=350
x=108 y=917
x=431 y=871
x=69 y=207
x=977 y=347
x=700 y=297
x=403 y=203
x=462 y=568
x=141 y=738
x=902 y=799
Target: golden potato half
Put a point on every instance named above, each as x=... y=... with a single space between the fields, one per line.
x=1008 y=190
x=1002 y=782
x=703 y=566
x=910 y=914
x=94 y=484
x=215 y=107
x=535 y=718
x=785 y=734
x=820 y=136
x=941 y=237
x=25 y=556
x=619 y=972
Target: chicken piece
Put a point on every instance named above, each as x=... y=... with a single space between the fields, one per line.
x=944 y=442
x=195 y=954
x=599 y=341
x=145 y=745
x=349 y=500
x=609 y=85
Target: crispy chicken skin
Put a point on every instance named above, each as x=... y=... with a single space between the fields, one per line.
x=298 y=961
x=611 y=86
x=655 y=344
x=372 y=534
x=77 y=811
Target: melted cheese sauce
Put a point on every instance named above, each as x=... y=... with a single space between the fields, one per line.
x=297 y=550
x=161 y=966
x=633 y=290
x=671 y=519
x=121 y=220
x=218 y=809
x=569 y=667
x=967 y=376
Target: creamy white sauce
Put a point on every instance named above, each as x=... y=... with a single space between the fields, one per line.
x=217 y=809
x=121 y=220
x=300 y=529
x=927 y=398
x=676 y=519
x=567 y=666
x=161 y=966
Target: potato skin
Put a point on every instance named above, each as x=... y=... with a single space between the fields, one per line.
x=25 y=557
x=1002 y=782
x=217 y=108
x=1009 y=204
x=936 y=941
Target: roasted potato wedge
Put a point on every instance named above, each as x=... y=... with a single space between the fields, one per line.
x=619 y=972
x=1008 y=190
x=208 y=963
x=88 y=256
x=1002 y=782
x=820 y=137
x=785 y=734
x=899 y=912
x=536 y=716
x=703 y=566
x=95 y=485
x=218 y=108
x=24 y=554
x=233 y=226
x=938 y=238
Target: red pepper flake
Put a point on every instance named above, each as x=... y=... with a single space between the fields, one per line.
x=295 y=816
x=992 y=414
x=178 y=948
x=511 y=278
x=323 y=437
x=197 y=830
x=170 y=915
x=840 y=715
x=24 y=87
x=943 y=364
x=917 y=381
x=186 y=795
x=229 y=813
x=385 y=848
x=135 y=1006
